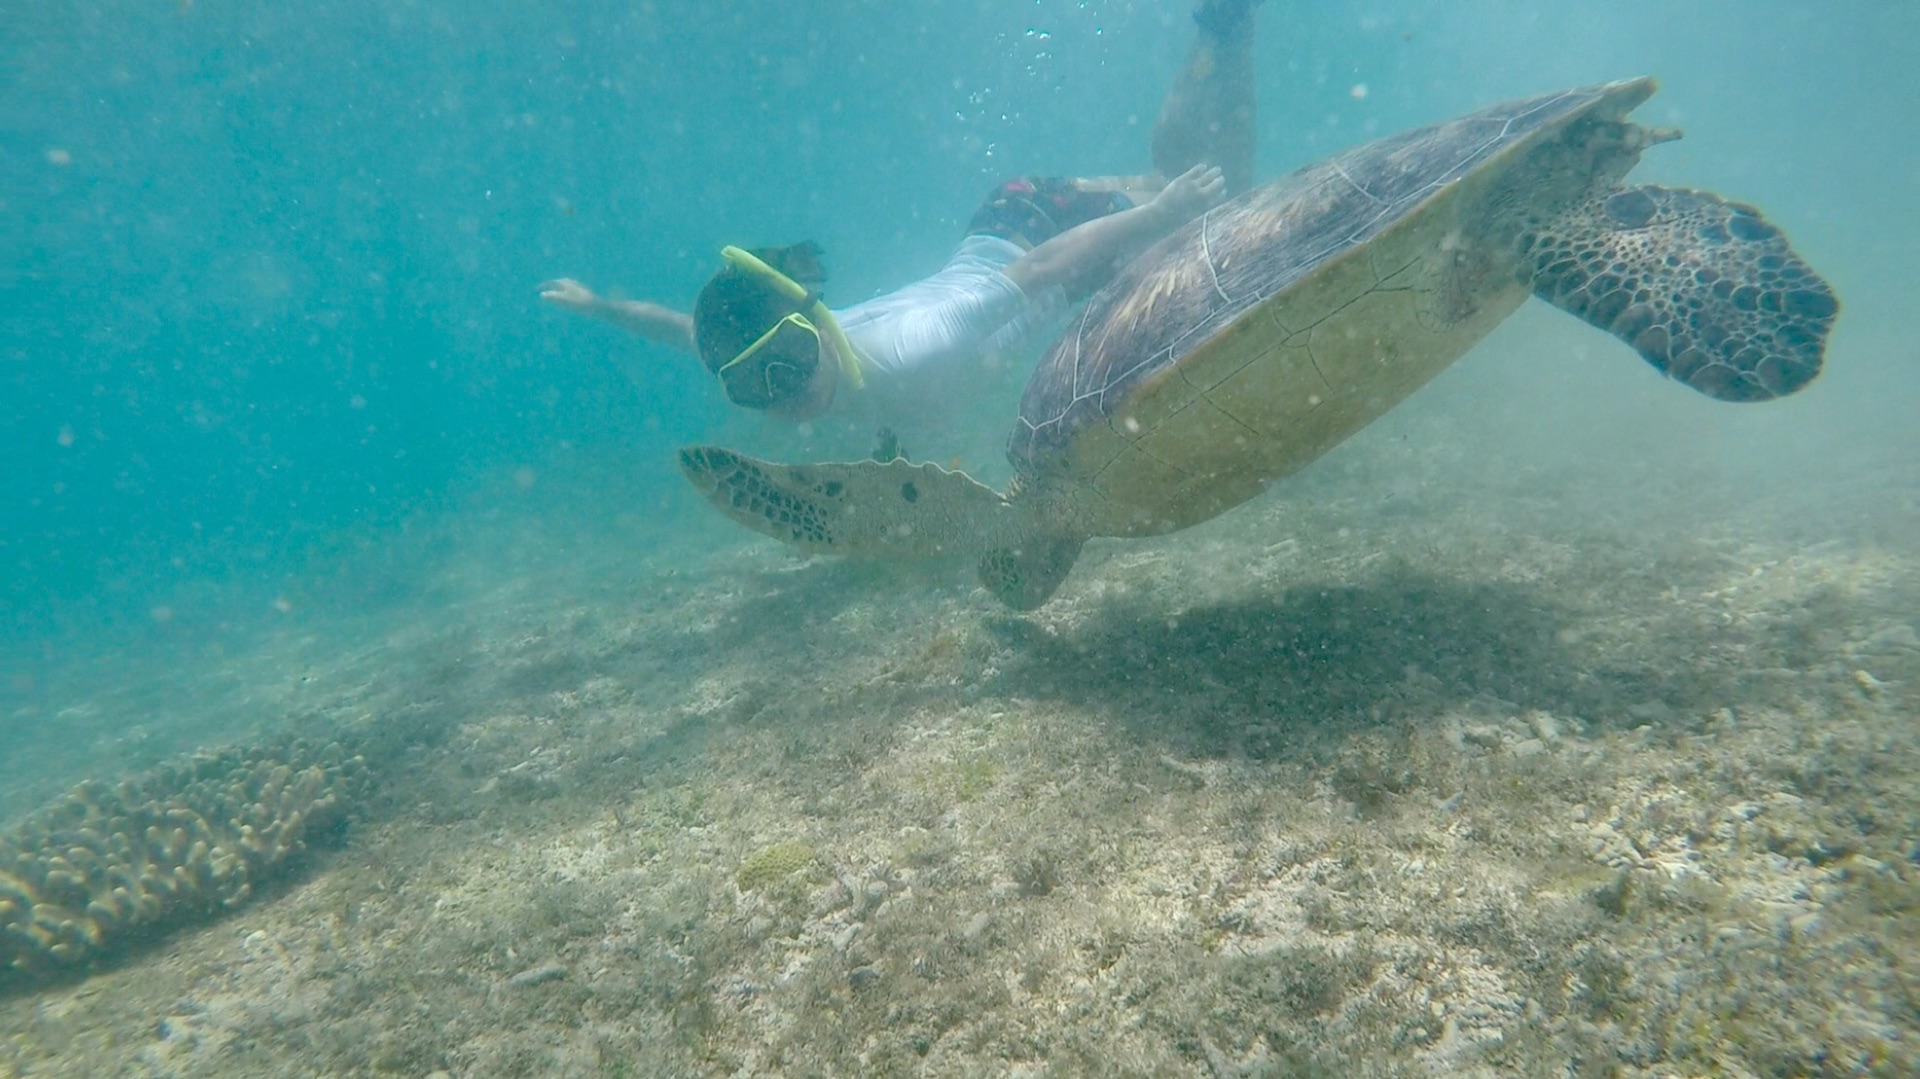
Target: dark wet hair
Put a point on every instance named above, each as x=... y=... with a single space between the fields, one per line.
x=736 y=307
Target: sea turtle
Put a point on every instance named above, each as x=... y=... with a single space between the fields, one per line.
x=1257 y=337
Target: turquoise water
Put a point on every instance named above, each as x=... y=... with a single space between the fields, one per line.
x=278 y=397
x=271 y=274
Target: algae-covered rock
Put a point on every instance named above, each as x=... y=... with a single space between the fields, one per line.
x=773 y=864
x=189 y=838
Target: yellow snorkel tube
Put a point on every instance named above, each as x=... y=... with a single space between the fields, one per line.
x=816 y=319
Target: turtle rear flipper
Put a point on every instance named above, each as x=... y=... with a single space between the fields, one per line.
x=870 y=509
x=1707 y=290
x=1025 y=576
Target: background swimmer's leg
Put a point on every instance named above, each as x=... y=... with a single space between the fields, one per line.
x=1208 y=115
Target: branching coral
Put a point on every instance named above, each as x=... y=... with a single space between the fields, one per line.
x=106 y=863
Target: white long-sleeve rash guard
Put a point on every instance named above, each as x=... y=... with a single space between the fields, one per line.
x=968 y=309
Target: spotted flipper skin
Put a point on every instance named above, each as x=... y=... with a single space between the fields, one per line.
x=1707 y=290
x=1026 y=576
x=870 y=509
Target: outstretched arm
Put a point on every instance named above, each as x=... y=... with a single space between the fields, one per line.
x=1090 y=246
x=652 y=322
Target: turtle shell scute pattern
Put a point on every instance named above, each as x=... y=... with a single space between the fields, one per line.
x=1174 y=298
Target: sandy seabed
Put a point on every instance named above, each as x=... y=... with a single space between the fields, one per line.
x=1430 y=777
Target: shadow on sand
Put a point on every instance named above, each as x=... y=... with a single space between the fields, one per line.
x=1251 y=678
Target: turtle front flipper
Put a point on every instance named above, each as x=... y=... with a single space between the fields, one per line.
x=1707 y=290
x=870 y=509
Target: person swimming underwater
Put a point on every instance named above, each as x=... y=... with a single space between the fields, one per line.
x=762 y=328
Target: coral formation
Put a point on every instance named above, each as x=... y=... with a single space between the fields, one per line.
x=775 y=863
x=107 y=862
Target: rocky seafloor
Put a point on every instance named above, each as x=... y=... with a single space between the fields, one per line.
x=1406 y=779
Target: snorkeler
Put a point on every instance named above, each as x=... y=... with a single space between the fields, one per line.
x=761 y=326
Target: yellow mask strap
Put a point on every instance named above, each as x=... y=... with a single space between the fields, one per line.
x=823 y=320
x=795 y=318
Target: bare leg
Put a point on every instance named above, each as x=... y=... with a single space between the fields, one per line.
x=1208 y=115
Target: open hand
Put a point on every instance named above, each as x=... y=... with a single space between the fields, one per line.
x=568 y=293
x=1193 y=192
